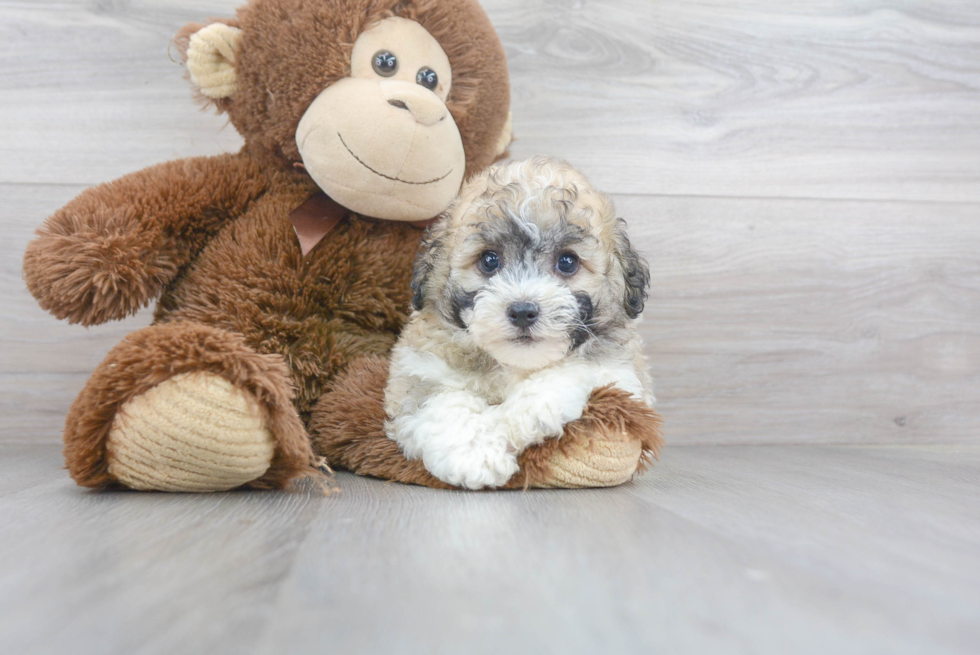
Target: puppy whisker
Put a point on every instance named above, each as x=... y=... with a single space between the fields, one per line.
x=584 y=327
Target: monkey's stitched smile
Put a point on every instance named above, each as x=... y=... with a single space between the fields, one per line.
x=388 y=177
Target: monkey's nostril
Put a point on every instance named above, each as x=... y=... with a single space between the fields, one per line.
x=398 y=103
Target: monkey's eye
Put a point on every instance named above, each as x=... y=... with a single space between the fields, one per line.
x=385 y=63
x=427 y=78
x=567 y=263
x=489 y=261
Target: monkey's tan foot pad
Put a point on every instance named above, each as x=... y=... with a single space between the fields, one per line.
x=595 y=463
x=192 y=432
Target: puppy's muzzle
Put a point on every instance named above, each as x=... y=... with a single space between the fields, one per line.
x=523 y=314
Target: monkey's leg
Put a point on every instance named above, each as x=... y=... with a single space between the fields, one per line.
x=186 y=407
x=347 y=427
x=616 y=437
x=613 y=440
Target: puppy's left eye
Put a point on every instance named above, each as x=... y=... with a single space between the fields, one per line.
x=489 y=261
x=567 y=263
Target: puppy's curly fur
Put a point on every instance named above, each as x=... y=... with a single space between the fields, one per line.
x=525 y=294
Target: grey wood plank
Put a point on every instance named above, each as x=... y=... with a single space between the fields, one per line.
x=23 y=466
x=846 y=99
x=811 y=321
x=85 y=572
x=34 y=406
x=842 y=99
x=91 y=90
x=720 y=549
x=769 y=321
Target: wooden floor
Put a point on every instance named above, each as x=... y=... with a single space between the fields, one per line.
x=723 y=549
x=805 y=181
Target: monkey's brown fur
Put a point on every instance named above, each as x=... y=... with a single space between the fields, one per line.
x=211 y=239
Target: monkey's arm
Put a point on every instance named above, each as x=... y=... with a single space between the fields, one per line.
x=113 y=249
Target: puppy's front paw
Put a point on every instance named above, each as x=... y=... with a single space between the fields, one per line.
x=535 y=413
x=474 y=467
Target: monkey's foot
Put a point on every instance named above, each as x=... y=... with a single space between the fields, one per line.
x=186 y=407
x=193 y=432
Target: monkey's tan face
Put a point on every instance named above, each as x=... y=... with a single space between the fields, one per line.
x=382 y=141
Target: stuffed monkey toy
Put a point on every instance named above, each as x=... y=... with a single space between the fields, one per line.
x=282 y=272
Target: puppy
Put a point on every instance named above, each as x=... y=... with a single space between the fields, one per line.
x=526 y=297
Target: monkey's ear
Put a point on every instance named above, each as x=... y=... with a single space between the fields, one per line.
x=636 y=274
x=210 y=54
x=506 y=137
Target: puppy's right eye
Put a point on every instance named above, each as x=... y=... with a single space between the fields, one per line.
x=489 y=261
x=567 y=263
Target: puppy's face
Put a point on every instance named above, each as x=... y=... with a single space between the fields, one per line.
x=529 y=264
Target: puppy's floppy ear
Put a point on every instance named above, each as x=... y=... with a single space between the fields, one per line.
x=636 y=274
x=424 y=263
x=420 y=276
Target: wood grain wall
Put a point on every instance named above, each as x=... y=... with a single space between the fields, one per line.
x=804 y=178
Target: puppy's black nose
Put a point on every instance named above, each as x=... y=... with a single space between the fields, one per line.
x=523 y=314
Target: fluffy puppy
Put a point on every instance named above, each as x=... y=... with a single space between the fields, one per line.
x=526 y=297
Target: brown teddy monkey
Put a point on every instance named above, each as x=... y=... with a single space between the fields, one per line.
x=282 y=272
